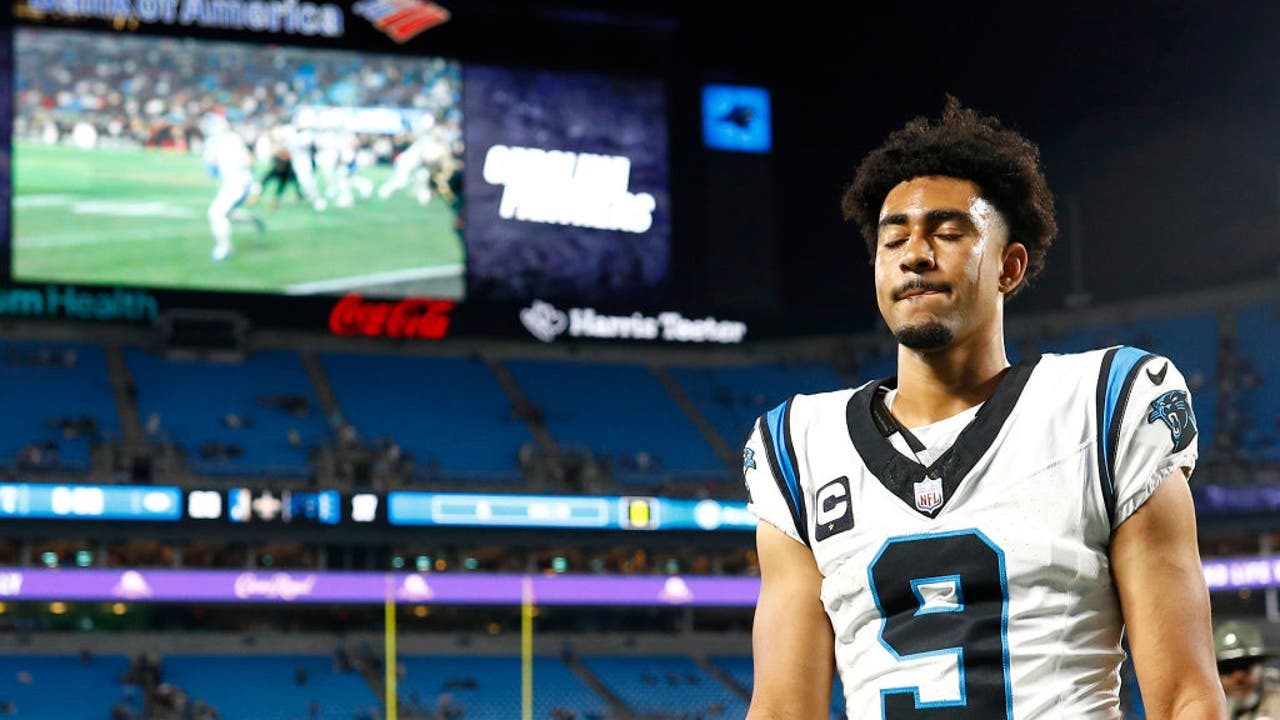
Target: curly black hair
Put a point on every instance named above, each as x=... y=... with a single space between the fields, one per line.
x=962 y=144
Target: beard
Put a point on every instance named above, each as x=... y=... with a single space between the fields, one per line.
x=926 y=336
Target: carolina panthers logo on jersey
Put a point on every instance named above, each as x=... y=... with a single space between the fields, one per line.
x=1175 y=410
x=748 y=459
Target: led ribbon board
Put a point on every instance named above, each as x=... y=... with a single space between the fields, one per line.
x=566 y=511
x=89 y=502
x=236 y=586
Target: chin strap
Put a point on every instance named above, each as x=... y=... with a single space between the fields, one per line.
x=887 y=424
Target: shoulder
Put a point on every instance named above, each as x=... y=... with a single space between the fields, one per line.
x=1109 y=369
x=807 y=409
x=817 y=402
x=1080 y=364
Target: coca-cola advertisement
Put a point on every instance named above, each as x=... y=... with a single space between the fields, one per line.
x=411 y=318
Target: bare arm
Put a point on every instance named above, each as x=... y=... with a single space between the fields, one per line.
x=1166 y=606
x=792 y=643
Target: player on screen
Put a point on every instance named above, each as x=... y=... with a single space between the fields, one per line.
x=416 y=164
x=280 y=171
x=969 y=539
x=299 y=142
x=341 y=163
x=228 y=159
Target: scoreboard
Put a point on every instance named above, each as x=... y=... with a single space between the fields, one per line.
x=430 y=173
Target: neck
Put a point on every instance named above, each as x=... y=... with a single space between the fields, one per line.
x=937 y=384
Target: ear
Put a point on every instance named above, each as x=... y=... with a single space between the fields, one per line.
x=1013 y=267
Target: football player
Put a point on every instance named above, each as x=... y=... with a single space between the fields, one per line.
x=1252 y=688
x=346 y=180
x=970 y=539
x=416 y=164
x=227 y=159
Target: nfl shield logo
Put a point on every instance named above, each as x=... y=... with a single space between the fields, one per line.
x=929 y=494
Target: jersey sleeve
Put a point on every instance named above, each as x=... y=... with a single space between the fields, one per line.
x=1150 y=428
x=772 y=493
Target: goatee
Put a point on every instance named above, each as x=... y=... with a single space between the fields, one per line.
x=929 y=336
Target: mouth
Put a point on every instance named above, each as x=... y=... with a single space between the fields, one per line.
x=917 y=292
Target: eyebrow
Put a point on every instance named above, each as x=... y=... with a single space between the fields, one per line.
x=934 y=217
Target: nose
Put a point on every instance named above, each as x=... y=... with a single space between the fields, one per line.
x=917 y=255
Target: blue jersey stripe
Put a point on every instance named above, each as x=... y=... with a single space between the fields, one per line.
x=775 y=420
x=1123 y=363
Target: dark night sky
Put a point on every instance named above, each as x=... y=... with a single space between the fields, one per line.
x=1161 y=121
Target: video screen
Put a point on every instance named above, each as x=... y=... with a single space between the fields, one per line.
x=567 y=187
x=6 y=120
x=177 y=163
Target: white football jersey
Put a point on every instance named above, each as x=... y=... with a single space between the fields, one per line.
x=228 y=153
x=977 y=587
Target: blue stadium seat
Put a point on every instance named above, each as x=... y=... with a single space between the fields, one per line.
x=441 y=410
x=193 y=399
x=38 y=385
x=1190 y=341
x=490 y=687
x=731 y=398
x=669 y=685
x=615 y=410
x=1259 y=381
x=877 y=366
x=264 y=687
x=62 y=687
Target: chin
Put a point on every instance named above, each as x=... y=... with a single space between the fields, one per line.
x=924 y=336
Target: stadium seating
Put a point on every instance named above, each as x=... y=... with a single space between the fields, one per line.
x=1259 y=381
x=48 y=687
x=448 y=413
x=670 y=685
x=193 y=399
x=617 y=411
x=489 y=687
x=740 y=669
x=45 y=381
x=1190 y=341
x=266 y=687
x=877 y=366
x=731 y=398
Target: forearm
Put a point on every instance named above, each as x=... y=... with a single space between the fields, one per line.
x=792 y=642
x=1169 y=630
x=757 y=713
x=1206 y=705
